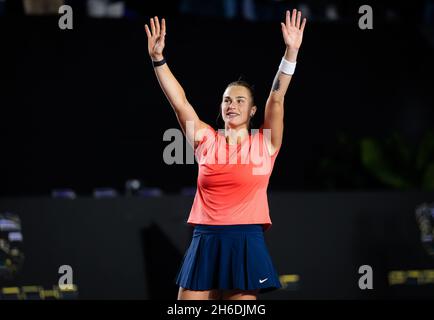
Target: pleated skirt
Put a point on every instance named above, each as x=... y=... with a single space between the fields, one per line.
x=228 y=257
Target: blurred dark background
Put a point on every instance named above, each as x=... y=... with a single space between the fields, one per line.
x=82 y=108
x=82 y=117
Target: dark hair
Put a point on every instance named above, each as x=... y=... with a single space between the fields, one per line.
x=246 y=85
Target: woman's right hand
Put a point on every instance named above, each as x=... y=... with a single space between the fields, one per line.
x=156 y=38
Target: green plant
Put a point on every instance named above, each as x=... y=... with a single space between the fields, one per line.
x=366 y=163
x=398 y=164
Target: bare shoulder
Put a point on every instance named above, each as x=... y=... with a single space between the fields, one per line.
x=203 y=129
x=272 y=149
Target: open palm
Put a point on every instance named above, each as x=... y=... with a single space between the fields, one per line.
x=292 y=29
x=156 y=37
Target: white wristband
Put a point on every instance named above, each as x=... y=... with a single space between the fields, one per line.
x=287 y=67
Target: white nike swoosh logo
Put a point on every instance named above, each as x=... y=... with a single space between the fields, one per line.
x=263 y=280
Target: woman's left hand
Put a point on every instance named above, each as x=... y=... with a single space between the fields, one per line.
x=292 y=30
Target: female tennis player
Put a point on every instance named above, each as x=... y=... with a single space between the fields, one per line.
x=227 y=257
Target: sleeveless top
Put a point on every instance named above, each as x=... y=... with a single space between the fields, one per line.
x=232 y=180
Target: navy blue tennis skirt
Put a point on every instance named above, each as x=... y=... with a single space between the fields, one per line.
x=228 y=257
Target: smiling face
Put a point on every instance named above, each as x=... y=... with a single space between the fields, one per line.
x=237 y=107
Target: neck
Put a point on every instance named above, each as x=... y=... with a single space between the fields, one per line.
x=236 y=135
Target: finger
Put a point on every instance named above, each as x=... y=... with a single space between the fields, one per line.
x=157 y=26
x=294 y=17
x=288 y=18
x=163 y=26
x=148 y=32
x=284 y=31
x=297 y=24
x=303 y=24
x=152 y=26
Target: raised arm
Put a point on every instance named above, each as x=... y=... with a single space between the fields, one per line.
x=168 y=83
x=292 y=31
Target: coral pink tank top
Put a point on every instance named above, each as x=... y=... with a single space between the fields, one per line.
x=232 y=180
